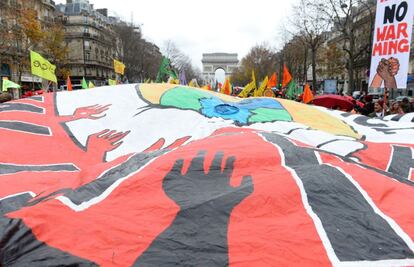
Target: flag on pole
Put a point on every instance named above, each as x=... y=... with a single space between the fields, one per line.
x=206 y=87
x=291 y=91
x=273 y=81
x=183 y=79
x=69 y=84
x=9 y=84
x=307 y=94
x=91 y=85
x=261 y=89
x=226 y=89
x=249 y=87
x=84 y=84
x=286 y=76
x=42 y=68
x=119 y=67
x=165 y=71
x=193 y=83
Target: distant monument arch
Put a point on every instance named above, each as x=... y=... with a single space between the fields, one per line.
x=215 y=61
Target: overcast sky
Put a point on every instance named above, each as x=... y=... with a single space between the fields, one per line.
x=197 y=27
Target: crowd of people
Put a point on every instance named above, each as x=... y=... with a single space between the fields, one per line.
x=380 y=108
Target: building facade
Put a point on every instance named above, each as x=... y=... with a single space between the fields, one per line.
x=14 y=47
x=92 y=42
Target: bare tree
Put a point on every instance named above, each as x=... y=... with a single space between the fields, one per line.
x=295 y=55
x=354 y=19
x=140 y=56
x=262 y=59
x=310 y=28
x=181 y=61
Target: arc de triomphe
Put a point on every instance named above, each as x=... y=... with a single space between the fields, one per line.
x=214 y=61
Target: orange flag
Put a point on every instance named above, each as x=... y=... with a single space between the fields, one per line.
x=307 y=94
x=286 y=76
x=226 y=89
x=69 y=84
x=272 y=82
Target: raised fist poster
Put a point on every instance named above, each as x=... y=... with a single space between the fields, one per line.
x=391 y=44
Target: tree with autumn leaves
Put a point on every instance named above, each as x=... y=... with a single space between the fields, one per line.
x=262 y=59
x=22 y=30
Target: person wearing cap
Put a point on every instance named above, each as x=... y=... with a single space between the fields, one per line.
x=380 y=110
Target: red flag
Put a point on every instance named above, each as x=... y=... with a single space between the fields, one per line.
x=307 y=94
x=272 y=82
x=286 y=76
x=69 y=84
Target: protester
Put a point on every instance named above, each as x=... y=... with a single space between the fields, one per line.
x=368 y=107
x=5 y=96
x=396 y=109
x=405 y=105
x=380 y=110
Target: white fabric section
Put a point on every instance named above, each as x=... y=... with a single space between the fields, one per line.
x=170 y=124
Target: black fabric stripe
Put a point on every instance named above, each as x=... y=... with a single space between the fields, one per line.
x=98 y=186
x=24 y=127
x=20 y=107
x=37 y=98
x=9 y=168
x=19 y=246
x=363 y=120
x=401 y=162
x=397 y=117
x=14 y=203
x=353 y=228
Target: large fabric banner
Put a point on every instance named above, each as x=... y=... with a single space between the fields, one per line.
x=168 y=175
x=391 y=44
x=42 y=68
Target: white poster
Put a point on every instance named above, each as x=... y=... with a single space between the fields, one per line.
x=391 y=44
x=330 y=87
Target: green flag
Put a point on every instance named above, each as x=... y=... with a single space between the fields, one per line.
x=42 y=68
x=84 y=84
x=165 y=71
x=299 y=91
x=111 y=82
x=291 y=91
x=9 y=84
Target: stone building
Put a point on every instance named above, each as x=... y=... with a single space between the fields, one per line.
x=92 y=42
x=12 y=48
x=214 y=61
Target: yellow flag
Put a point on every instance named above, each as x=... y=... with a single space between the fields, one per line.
x=42 y=68
x=193 y=83
x=119 y=67
x=260 y=91
x=91 y=85
x=249 y=87
x=111 y=82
